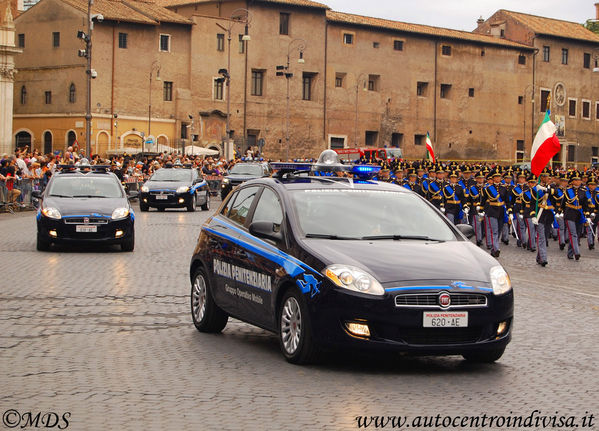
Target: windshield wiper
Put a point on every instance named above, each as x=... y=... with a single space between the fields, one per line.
x=327 y=236
x=398 y=237
x=88 y=196
x=60 y=196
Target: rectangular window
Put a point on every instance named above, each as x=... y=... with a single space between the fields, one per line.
x=165 y=42
x=307 y=79
x=520 y=100
x=284 y=23
x=446 y=50
x=502 y=32
x=184 y=130
x=220 y=42
x=522 y=59
x=544 y=99
x=586 y=62
x=471 y=92
x=482 y=52
x=21 y=40
x=257 y=82
x=376 y=44
x=396 y=140
x=445 y=91
x=572 y=108
x=596 y=110
x=56 y=39
x=339 y=80
x=421 y=88
x=398 y=45
x=546 y=54
x=348 y=38
x=373 y=82
x=241 y=44
x=595 y=153
x=371 y=138
x=571 y=153
x=48 y=97
x=123 y=40
x=586 y=109
x=519 y=151
x=419 y=139
x=218 y=88
x=168 y=91
x=564 y=56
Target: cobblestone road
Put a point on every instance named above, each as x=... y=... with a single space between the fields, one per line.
x=107 y=336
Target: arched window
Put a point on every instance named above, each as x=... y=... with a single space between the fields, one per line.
x=72 y=93
x=23 y=95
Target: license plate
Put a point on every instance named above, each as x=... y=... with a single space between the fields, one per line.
x=445 y=319
x=86 y=229
x=161 y=197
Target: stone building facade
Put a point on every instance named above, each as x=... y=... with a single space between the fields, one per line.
x=7 y=72
x=361 y=81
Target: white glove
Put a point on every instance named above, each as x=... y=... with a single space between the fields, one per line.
x=443 y=210
x=542 y=188
x=478 y=208
x=592 y=215
x=535 y=221
x=466 y=210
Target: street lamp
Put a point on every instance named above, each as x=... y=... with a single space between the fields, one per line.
x=91 y=73
x=155 y=67
x=300 y=45
x=238 y=16
x=362 y=79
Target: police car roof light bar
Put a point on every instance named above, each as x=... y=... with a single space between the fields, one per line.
x=94 y=168
x=282 y=168
x=365 y=172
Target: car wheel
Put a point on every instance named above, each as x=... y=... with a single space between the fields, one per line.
x=129 y=243
x=206 y=315
x=193 y=203
x=143 y=207
x=42 y=244
x=484 y=356
x=206 y=206
x=295 y=329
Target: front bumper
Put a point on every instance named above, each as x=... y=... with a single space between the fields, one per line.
x=401 y=328
x=171 y=200
x=67 y=233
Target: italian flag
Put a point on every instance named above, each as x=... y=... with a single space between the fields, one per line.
x=429 y=147
x=545 y=146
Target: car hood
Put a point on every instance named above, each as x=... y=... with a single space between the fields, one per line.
x=86 y=206
x=165 y=185
x=408 y=261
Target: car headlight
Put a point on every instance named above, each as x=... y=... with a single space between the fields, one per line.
x=352 y=278
x=225 y=181
x=120 y=213
x=500 y=280
x=51 y=213
x=183 y=189
x=145 y=189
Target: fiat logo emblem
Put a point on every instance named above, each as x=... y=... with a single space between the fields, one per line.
x=444 y=299
x=86 y=220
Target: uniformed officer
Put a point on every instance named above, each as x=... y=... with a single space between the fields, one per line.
x=589 y=208
x=453 y=197
x=594 y=217
x=412 y=183
x=476 y=207
x=518 y=209
x=558 y=198
x=544 y=219
x=573 y=215
x=495 y=196
x=529 y=211
x=435 y=188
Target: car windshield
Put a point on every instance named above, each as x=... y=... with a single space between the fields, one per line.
x=85 y=187
x=368 y=215
x=171 y=175
x=394 y=152
x=244 y=169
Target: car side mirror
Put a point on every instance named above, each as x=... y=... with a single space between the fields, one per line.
x=466 y=229
x=265 y=229
x=36 y=194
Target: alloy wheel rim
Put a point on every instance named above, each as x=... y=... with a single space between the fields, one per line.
x=199 y=298
x=291 y=325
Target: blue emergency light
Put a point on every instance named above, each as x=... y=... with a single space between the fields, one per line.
x=365 y=172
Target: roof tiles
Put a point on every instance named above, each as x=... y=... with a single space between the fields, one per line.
x=142 y=12
x=553 y=27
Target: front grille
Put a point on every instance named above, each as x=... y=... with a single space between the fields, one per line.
x=440 y=335
x=170 y=193
x=432 y=300
x=80 y=220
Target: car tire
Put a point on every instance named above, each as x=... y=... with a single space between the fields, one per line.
x=206 y=315
x=129 y=243
x=206 y=206
x=484 y=356
x=193 y=203
x=143 y=207
x=42 y=244
x=295 y=330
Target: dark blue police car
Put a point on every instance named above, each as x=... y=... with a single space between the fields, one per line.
x=177 y=186
x=85 y=205
x=328 y=262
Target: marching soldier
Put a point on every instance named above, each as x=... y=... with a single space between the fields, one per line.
x=594 y=217
x=476 y=206
x=544 y=218
x=399 y=179
x=435 y=189
x=558 y=193
x=412 y=183
x=453 y=196
x=573 y=215
x=589 y=208
x=495 y=196
x=529 y=210
x=518 y=209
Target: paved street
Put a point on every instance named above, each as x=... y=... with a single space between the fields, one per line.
x=107 y=336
